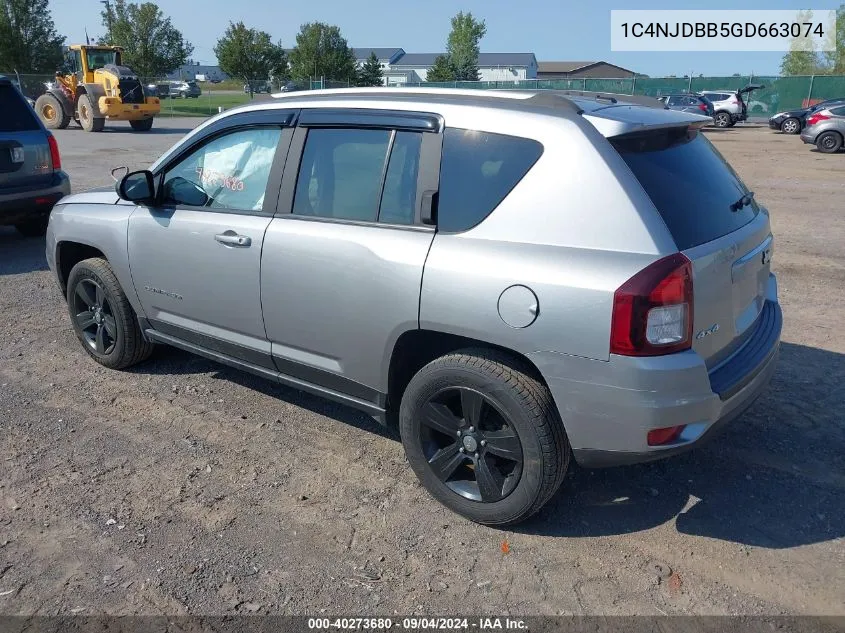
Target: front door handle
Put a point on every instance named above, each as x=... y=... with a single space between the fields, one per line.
x=230 y=238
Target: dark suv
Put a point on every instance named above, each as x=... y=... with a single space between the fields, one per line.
x=31 y=180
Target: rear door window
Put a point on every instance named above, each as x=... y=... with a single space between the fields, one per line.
x=477 y=171
x=17 y=115
x=690 y=183
x=363 y=175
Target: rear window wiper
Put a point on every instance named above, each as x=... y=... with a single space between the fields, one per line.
x=744 y=201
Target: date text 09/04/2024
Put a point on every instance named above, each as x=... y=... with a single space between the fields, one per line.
x=418 y=624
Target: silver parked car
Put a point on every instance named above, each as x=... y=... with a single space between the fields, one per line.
x=826 y=129
x=515 y=278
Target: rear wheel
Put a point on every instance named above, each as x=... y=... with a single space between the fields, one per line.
x=829 y=142
x=51 y=113
x=87 y=115
x=790 y=126
x=143 y=125
x=33 y=228
x=483 y=436
x=722 y=119
x=102 y=317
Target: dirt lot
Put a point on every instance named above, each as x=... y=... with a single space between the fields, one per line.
x=184 y=487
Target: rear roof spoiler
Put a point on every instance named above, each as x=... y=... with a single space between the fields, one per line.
x=614 y=98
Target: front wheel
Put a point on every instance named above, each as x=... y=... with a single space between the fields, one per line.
x=102 y=317
x=483 y=436
x=722 y=119
x=88 y=118
x=829 y=142
x=142 y=125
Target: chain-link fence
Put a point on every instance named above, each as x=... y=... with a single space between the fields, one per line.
x=178 y=98
x=778 y=93
x=195 y=98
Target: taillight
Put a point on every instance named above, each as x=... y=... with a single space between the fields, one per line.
x=702 y=107
x=54 y=152
x=816 y=118
x=652 y=311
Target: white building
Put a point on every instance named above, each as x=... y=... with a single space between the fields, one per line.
x=413 y=67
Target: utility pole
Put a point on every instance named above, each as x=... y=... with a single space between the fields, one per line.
x=107 y=3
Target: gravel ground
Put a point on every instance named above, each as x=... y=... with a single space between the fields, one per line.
x=182 y=487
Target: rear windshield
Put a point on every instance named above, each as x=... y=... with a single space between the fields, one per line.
x=17 y=115
x=690 y=183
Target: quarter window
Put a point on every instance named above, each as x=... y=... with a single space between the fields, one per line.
x=230 y=172
x=477 y=171
x=356 y=174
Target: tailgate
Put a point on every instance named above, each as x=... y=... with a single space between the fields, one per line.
x=24 y=160
x=730 y=277
x=716 y=222
x=24 y=150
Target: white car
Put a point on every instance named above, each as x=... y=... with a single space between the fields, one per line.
x=728 y=105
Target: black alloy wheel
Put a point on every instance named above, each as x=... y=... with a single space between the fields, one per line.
x=94 y=315
x=470 y=446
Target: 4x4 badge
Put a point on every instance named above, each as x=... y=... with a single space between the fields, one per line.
x=711 y=330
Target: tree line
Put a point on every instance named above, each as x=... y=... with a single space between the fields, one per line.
x=803 y=59
x=154 y=47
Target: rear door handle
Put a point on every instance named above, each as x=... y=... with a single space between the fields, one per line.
x=230 y=238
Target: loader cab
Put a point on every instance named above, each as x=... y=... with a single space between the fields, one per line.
x=82 y=61
x=72 y=64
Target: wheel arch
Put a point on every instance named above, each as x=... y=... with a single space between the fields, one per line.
x=414 y=349
x=68 y=255
x=94 y=92
x=63 y=100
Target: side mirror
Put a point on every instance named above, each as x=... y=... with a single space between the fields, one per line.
x=137 y=186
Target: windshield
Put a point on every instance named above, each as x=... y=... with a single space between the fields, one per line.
x=99 y=58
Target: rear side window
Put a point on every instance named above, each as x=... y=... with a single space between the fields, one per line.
x=17 y=115
x=364 y=175
x=838 y=111
x=690 y=183
x=477 y=171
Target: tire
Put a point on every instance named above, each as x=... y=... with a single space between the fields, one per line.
x=515 y=413
x=87 y=120
x=829 y=142
x=110 y=334
x=791 y=126
x=722 y=119
x=51 y=112
x=143 y=125
x=36 y=227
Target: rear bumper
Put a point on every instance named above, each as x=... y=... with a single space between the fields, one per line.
x=114 y=108
x=17 y=205
x=808 y=137
x=608 y=407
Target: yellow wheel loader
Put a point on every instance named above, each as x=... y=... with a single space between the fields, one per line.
x=93 y=86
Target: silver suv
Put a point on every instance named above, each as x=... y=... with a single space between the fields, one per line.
x=729 y=105
x=513 y=278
